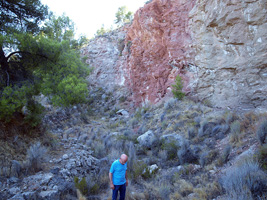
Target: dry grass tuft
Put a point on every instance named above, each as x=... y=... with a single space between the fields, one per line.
x=80 y=196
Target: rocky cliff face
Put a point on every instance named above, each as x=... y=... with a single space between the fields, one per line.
x=160 y=38
x=229 y=39
x=218 y=48
x=104 y=55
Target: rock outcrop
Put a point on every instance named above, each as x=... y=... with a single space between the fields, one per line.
x=104 y=55
x=217 y=47
x=229 y=39
x=58 y=182
x=160 y=48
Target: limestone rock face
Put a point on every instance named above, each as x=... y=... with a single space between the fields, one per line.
x=104 y=55
x=229 y=39
x=218 y=47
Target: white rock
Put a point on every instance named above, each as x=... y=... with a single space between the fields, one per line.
x=65 y=156
x=153 y=168
x=14 y=190
x=147 y=139
x=52 y=194
x=123 y=113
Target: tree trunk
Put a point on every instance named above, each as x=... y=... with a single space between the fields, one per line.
x=4 y=66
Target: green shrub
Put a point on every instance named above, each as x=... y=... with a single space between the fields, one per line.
x=70 y=90
x=177 y=88
x=207 y=157
x=36 y=155
x=235 y=127
x=262 y=132
x=138 y=171
x=206 y=128
x=245 y=181
x=224 y=157
x=12 y=100
x=185 y=187
x=170 y=149
x=122 y=99
x=164 y=125
x=35 y=113
x=138 y=114
x=94 y=189
x=99 y=149
x=81 y=185
x=185 y=154
x=263 y=156
x=164 y=191
x=235 y=131
x=16 y=168
x=192 y=132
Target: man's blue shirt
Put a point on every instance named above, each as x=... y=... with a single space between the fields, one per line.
x=118 y=171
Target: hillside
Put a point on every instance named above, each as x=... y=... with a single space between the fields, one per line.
x=177 y=150
x=209 y=145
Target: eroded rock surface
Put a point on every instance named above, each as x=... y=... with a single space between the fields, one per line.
x=104 y=55
x=217 y=47
x=229 y=38
x=160 y=38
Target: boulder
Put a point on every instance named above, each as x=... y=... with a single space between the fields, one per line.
x=14 y=190
x=123 y=112
x=49 y=195
x=172 y=138
x=17 y=197
x=153 y=169
x=30 y=195
x=147 y=140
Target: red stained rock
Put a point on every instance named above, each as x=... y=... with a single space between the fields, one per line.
x=160 y=49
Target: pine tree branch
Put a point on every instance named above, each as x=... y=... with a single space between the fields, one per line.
x=25 y=52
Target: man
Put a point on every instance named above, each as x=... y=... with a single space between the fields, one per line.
x=118 y=177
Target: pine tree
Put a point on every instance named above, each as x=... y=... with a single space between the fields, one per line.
x=177 y=88
x=123 y=16
x=36 y=59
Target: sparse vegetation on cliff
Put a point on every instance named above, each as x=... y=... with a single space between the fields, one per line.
x=262 y=132
x=177 y=88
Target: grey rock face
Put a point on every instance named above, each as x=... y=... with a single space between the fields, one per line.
x=104 y=55
x=227 y=47
x=230 y=38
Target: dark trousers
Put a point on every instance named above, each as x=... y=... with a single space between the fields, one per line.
x=122 y=189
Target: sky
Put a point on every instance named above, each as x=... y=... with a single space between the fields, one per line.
x=90 y=15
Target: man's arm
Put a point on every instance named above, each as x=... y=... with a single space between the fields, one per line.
x=111 y=182
x=126 y=178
